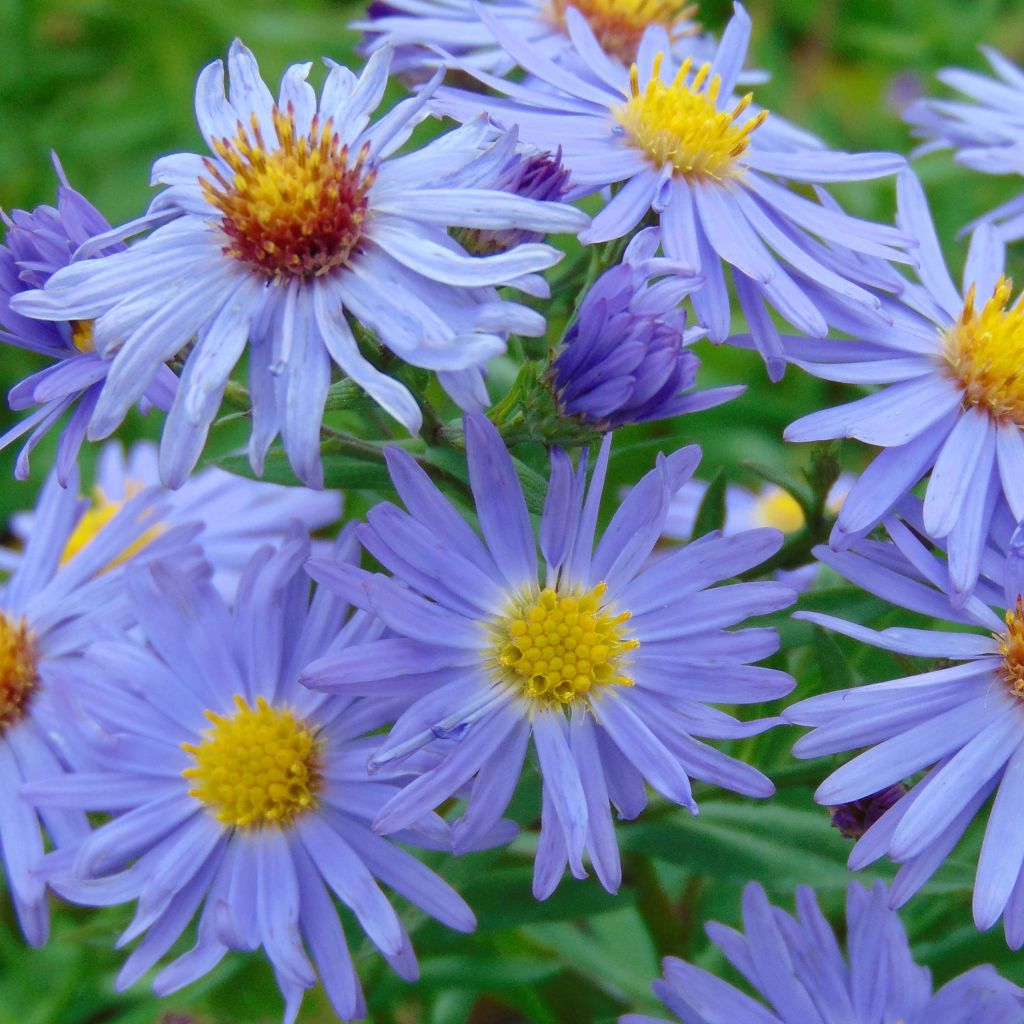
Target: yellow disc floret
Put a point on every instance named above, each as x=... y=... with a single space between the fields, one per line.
x=258 y=767
x=1011 y=647
x=620 y=24
x=985 y=353
x=81 y=335
x=291 y=210
x=557 y=647
x=95 y=519
x=778 y=508
x=681 y=124
x=18 y=674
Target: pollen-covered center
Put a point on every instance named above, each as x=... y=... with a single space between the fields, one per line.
x=96 y=518
x=18 y=671
x=557 y=647
x=81 y=336
x=681 y=124
x=257 y=767
x=620 y=24
x=780 y=509
x=985 y=353
x=291 y=209
x=1011 y=647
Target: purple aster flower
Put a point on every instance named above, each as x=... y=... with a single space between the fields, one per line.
x=953 y=400
x=535 y=177
x=959 y=721
x=986 y=131
x=795 y=963
x=38 y=244
x=605 y=663
x=714 y=171
x=626 y=359
x=237 y=515
x=417 y=29
x=49 y=616
x=297 y=221
x=237 y=791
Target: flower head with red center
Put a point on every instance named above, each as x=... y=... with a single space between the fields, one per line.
x=296 y=224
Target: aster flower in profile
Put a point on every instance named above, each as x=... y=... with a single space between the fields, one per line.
x=297 y=220
x=626 y=357
x=37 y=245
x=715 y=171
x=49 y=616
x=418 y=29
x=952 y=401
x=958 y=721
x=237 y=794
x=796 y=965
x=605 y=664
x=237 y=514
x=985 y=129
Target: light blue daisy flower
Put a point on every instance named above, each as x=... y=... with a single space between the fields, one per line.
x=952 y=401
x=986 y=130
x=301 y=217
x=417 y=29
x=237 y=515
x=796 y=964
x=716 y=173
x=37 y=245
x=50 y=615
x=959 y=722
x=237 y=794
x=604 y=661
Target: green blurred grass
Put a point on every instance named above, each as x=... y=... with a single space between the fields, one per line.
x=108 y=84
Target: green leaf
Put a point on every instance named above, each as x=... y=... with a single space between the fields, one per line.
x=341 y=472
x=835 y=669
x=711 y=514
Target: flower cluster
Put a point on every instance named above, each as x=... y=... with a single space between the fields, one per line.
x=265 y=712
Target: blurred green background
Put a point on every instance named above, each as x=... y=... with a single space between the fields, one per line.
x=108 y=84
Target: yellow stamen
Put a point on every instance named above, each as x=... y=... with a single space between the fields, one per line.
x=291 y=210
x=681 y=124
x=1011 y=647
x=81 y=335
x=95 y=519
x=778 y=508
x=985 y=353
x=258 y=767
x=18 y=674
x=557 y=647
x=620 y=24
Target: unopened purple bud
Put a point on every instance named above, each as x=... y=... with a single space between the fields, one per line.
x=533 y=177
x=625 y=359
x=855 y=818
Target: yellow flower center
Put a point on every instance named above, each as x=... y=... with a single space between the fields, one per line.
x=681 y=124
x=258 y=767
x=1011 y=647
x=95 y=519
x=780 y=509
x=81 y=335
x=985 y=353
x=620 y=24
x=293 y=210
x=18 y=675
x=557 y=647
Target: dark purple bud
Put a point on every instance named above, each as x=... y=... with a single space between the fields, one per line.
x=533 y=177
x=855 y=818
x=625 y=359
